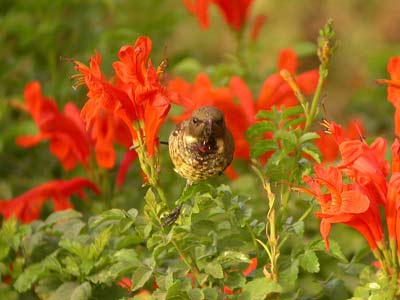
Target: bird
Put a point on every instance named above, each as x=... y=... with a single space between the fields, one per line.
x=201 y=146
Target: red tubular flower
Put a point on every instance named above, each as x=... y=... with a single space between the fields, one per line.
x=393 y=90
x=137 y=98
x=27 y=206
x=392 y=205
x=235 y=12
x=252 y=266
x=329 y=147
x=68 y=139
x=344 y=203
x=276 y=91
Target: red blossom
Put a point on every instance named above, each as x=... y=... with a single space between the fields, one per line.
x=235 y=12
x=252 y=266
x=137 y=98
x=65 y=131
x=27 y=206
x=329 y=147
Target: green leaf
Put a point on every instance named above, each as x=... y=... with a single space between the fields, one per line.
x=334 y=249
x=260 y=128
x=113 y=215
x=140 y=277
x=314 y=154
x=292 y=111
x=309 y=261
x=175 y=292
x=28 y=277
x=298 y=228
x=292 y=123
x=82 y=292
x=214 y=269
x=196 y=294
x=284 y=135
x=288 y=276
x=62 y=216
x=266 y=114
x=262 y=147
x=210 y=293
x=259 y=288
x=64 y=291
x=308 y=136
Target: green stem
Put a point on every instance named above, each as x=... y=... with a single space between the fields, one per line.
x=323 y=74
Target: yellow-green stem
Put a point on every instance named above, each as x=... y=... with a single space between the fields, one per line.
x=323 y=72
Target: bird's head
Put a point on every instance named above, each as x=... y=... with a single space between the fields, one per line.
x=206 y=123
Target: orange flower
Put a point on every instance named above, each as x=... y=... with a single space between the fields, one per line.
x=27 y=206
x=235 y=12
x=343 y=203
x=329 y=147
x=393 y=84
x=68 y=139
x=276 y=91
x=137 y=97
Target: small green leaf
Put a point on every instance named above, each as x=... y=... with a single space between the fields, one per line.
x=176 y=292
x=308 y=136
x=214 y=269
x=28 y=277
x=260 y=128
x=298 y=228
x=62 y=216
x=210 y=293
x=107 y=216
x=309 y=261
x=64 y=291
x=262 y=147
x=285 y=136
x=140 y=277
x=292 y=111
x=266 y=114
x=288 y=276
x=196 y=294
x=259 y=288
x=294 y=122
x=82 y=292
x=314 y=154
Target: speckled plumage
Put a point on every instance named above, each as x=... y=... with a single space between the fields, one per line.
x=201 y=146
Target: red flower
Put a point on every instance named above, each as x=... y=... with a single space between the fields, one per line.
x=27 y=206
x=344 y=203
x=252 y=266
x=235 y=12
x=329 y=147
x=276 y=91
x=137 y=98
x=393 y=84
x=68 y=139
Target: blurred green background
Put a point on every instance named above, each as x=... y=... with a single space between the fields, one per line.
x=36 y=36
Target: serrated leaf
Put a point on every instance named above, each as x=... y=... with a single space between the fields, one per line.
x=298 y=228
x=260 y=128
x=175 y=292
x=262 y=147
x=196 y=294
x=334 y=249
x=214 y=269
x=62 y=216
x=308 y=136
x=314 y=154
x=309 y=261
x=107 y=216
x=294 y=122
x=28 y=277
x=288 y=276
x=285 y=136
x=82 y=292
x=232 y=257
x=210 y=293
x=140 y=277
x=64 y=291
x=259 y=288
x=292 y=111
x=266 y=114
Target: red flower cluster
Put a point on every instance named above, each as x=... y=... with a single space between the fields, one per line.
x=236 y=100
x=356 y=200
x=137 y=97
x=27 y=206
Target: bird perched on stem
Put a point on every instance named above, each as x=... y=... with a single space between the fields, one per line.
x=201 y=146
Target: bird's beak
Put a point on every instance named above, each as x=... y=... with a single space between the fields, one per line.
x=208 y=128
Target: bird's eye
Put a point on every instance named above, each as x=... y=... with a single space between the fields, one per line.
x=195 y=120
